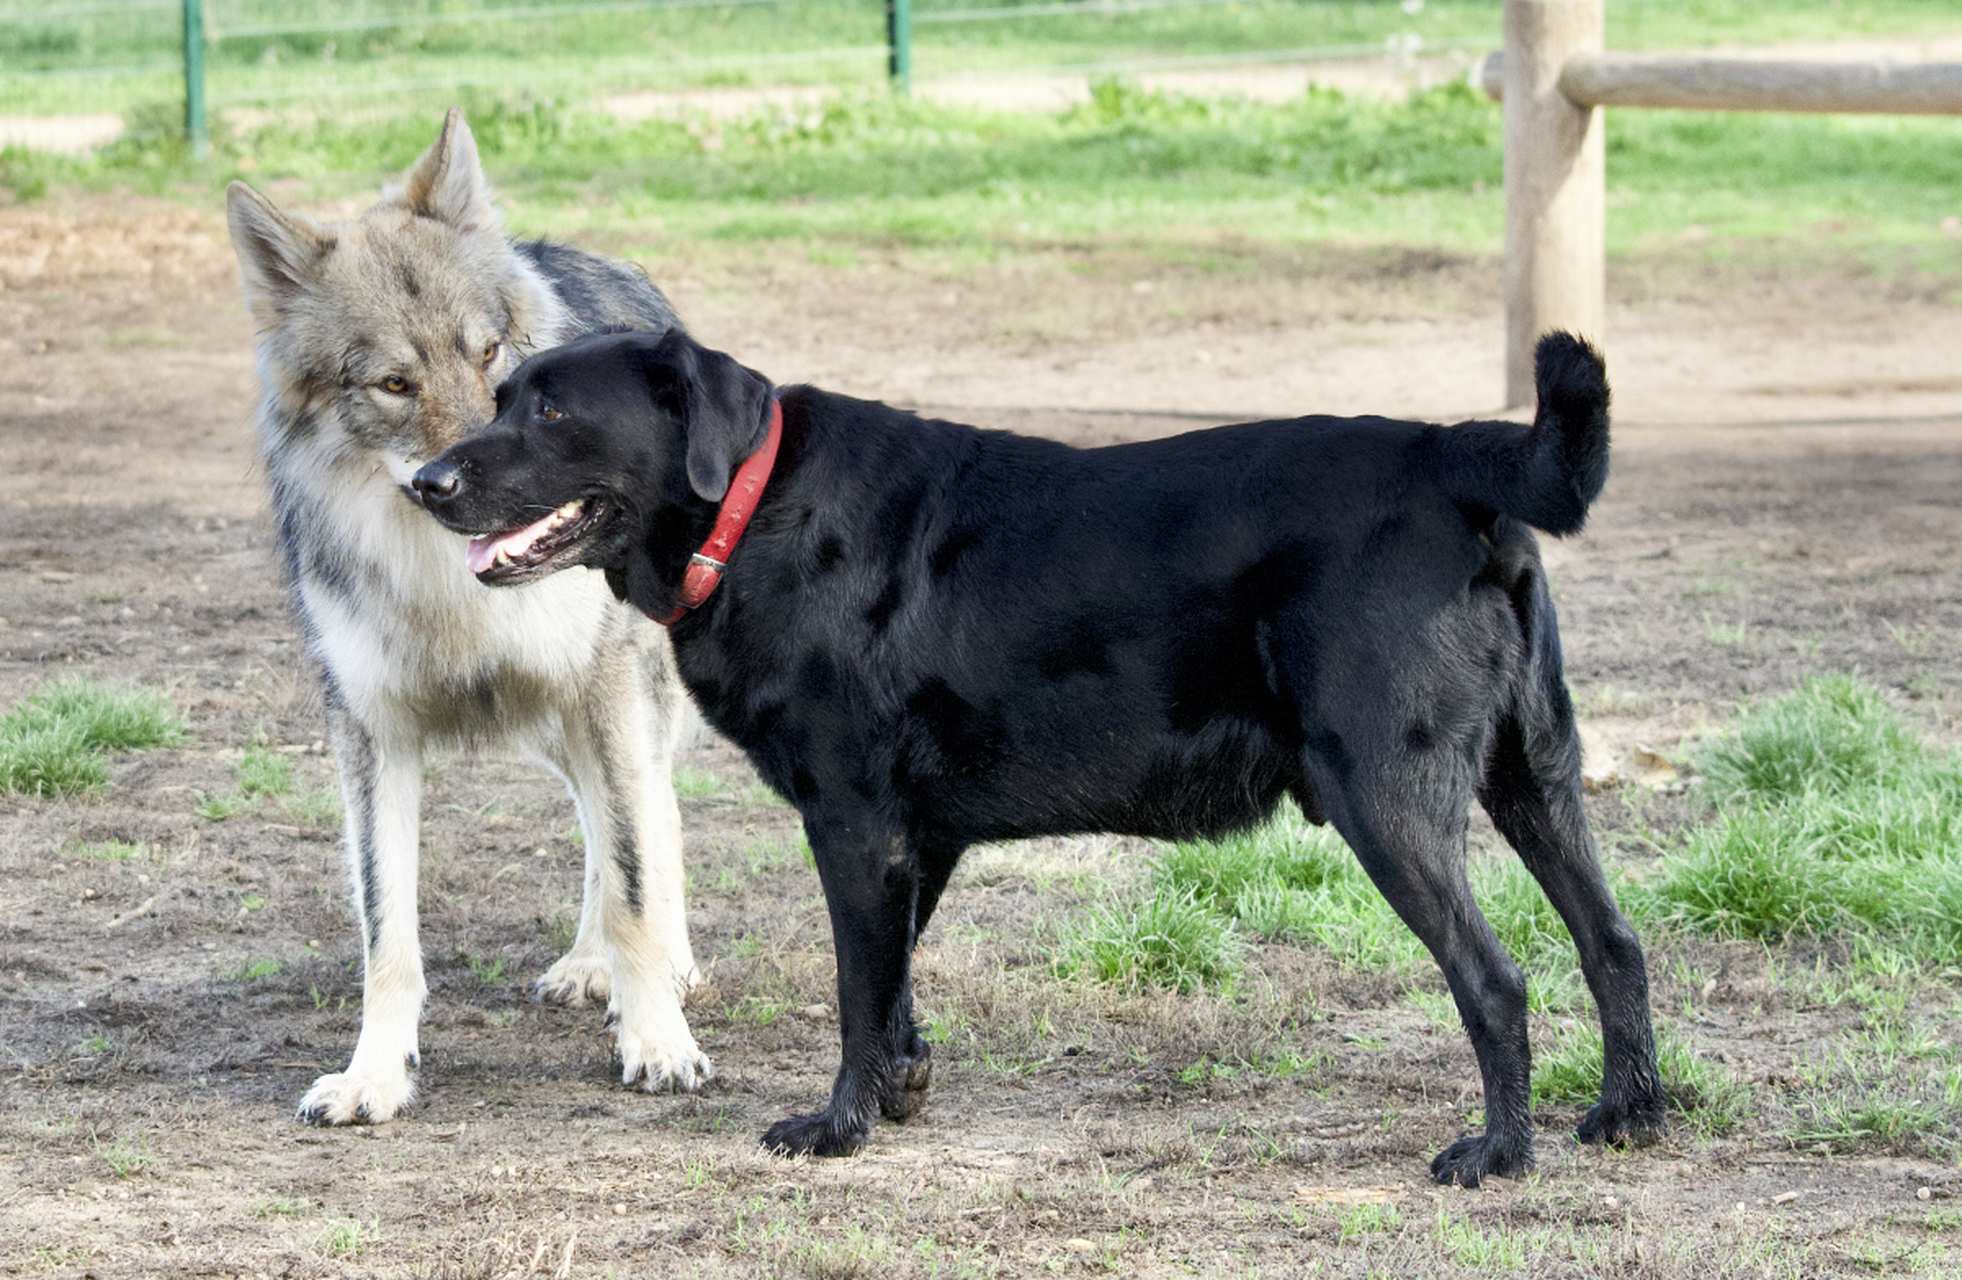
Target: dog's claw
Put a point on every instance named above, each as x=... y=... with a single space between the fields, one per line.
x=351 y=1097
x=683 y=1075
x=574 y=980
x=662 y=1063
x=812 y=1135
x=1641 y=1125
x=905 y=1101
x=1468 y=1161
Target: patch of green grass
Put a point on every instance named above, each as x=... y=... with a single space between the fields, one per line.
x=1705 y=1094
x=1857 y=1115
x=94 y=1046
x=114 y=717
x=1170 y=939
x=760 y=794
x=1293 y=882
x=1367 y=1219
x=489 y=969
x=1725 y=634
x=265 y=773
x=1833 y=733
x=1530 y=929
x=126 y=1155
x=1439 y=1009
x=347 y=1237
x=317 y=806
x=1497 y=1249
x=63 y=1256
x=55 y=742
x=758 y=1011
x=109 y=851
x=215 y=806
x=1832 y=817
x=1894 y=1083
x=691 y=783
x=265 y=968
x=1287 y=854
x=50 y=761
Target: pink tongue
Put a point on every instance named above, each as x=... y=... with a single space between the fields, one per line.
x=482 y=551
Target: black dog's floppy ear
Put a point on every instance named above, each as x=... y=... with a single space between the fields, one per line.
x=724 y=406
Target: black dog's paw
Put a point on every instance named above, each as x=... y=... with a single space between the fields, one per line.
x=910 y=1093
x=1637 y=1124
x=813 y=1135
x=1468 y=1160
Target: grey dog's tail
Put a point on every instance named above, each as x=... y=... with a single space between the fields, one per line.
x=1548 y=473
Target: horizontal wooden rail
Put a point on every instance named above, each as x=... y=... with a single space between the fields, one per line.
x=1695 y=82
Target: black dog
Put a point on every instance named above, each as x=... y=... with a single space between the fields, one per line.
x=934 y=635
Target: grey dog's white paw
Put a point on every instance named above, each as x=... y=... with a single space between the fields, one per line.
x=351 y=1097
x=668 y=1062
x=576 y=979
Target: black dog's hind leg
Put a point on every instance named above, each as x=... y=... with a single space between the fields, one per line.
x=873 y=889
x=1406 y=822
x=1532 y=791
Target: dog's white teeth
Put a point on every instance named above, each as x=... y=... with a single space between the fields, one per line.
x=503 y=556
x=564 y=514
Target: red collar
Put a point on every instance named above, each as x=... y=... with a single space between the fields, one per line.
x=705 y=566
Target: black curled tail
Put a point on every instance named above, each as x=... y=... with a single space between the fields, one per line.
x=1572 y=422
x=1548 y=473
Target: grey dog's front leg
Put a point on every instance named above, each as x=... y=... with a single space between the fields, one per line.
x=381 y=789
x=618 y=756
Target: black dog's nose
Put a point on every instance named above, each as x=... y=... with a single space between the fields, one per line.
x=437 y=483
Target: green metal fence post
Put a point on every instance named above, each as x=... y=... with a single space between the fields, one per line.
x=196 y=130
x=899 y=42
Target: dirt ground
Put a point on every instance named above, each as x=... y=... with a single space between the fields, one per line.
x=1786 y=499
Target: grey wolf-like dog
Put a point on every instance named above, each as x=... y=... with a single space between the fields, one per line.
x=380 y=343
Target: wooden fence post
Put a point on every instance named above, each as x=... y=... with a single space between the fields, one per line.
x=1555 y=168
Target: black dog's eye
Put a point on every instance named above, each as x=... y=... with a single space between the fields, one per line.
x=490 y=352
x=548 y=413
x=395 y=384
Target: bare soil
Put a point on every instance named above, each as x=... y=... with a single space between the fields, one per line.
x=1786 y=499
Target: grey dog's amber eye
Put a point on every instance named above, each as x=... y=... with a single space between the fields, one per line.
x=548 y=413
x=490 y=351
x=395 y=384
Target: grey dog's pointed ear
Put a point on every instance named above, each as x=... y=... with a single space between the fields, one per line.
x=447 y=181
x=279 y=254
x=725 y=407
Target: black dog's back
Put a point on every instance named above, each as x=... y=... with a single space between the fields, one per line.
x=1159 y=618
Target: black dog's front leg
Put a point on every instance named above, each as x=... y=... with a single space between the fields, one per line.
x=871 y=886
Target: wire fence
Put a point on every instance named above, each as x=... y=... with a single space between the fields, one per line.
x=119 y=55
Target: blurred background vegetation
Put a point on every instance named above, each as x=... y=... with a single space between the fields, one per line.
x=850 y=164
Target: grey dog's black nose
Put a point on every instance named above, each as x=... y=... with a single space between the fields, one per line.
x=437 y=482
